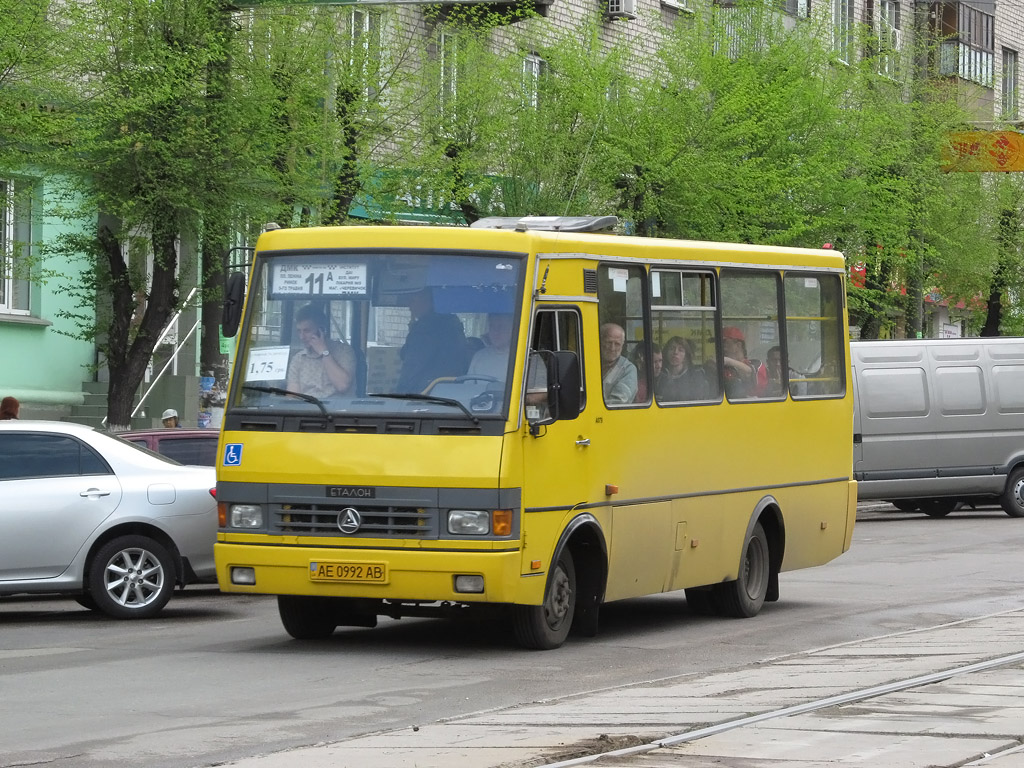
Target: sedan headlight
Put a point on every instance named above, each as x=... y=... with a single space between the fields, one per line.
x=246 y=516
x=469 y=522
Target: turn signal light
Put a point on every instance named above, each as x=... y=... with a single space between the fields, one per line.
x=501 y=522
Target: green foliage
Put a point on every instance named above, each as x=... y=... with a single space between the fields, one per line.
x=184 y=122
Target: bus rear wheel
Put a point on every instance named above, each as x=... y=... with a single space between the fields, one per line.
x=307 y=618
x=744 y=597
x=544 y=627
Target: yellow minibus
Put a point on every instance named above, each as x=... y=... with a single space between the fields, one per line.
x=530 y=417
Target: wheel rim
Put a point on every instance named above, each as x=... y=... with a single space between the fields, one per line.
x=1018 y=493
x=754 y=568
x=556 y=607
x=134 y=577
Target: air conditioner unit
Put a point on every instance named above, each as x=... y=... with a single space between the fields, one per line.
x=621 y=9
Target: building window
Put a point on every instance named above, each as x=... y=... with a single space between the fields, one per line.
x=533 y=70
x=968 y=43
x=448 y=50
x=842 y=30
x=365 y=54
x=15 y=240
x=1009 y=85
x=889 y=36
x=799 y=8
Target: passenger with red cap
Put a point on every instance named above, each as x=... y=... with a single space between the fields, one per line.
x=740 y=372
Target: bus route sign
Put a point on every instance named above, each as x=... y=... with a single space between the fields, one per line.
x=318 y=279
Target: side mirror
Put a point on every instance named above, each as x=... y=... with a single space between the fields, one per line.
x=564 y=378
x=553 y=387
x=234 y=297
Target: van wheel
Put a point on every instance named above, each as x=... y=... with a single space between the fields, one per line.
x=307 y=618
x=1012 y=500
x=938 y=507
x=544 y=627
x=905 y=505
x=744 y=597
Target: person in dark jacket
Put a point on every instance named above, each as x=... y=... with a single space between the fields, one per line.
x=435 y=347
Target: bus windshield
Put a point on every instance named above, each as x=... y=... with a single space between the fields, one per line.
x=420 y=334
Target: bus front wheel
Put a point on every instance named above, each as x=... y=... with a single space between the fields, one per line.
x=744 y=597
x=307 y=618
x=544 y=627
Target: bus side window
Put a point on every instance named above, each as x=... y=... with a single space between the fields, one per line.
x=683 y=329
x=750 y=328
x=814 y=336
x=622 y=299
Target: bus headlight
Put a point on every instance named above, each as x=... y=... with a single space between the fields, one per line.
x=246 y=516
x=469 y=522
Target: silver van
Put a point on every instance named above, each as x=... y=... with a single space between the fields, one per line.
x=938 y=422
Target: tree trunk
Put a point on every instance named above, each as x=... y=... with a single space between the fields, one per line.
x=1008 y=226
x=211 y=361
x=129 y=354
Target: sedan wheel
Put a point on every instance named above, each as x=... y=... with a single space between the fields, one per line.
x=131 y=577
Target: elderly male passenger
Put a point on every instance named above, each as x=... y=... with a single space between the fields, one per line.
x=618 y=375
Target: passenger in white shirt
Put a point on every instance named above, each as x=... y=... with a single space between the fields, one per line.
x=493 y=359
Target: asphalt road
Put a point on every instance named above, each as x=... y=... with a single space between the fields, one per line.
x=215 y=678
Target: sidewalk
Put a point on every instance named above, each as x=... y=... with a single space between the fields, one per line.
x=968 y=719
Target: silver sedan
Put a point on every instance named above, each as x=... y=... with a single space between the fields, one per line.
x=87 y=514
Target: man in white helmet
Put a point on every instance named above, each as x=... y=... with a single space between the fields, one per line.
x=170 y=419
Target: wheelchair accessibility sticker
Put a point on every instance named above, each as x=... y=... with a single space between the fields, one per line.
x=232 y=454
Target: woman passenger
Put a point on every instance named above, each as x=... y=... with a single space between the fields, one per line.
x=680 y=379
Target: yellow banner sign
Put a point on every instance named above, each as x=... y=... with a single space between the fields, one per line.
x=984 y=152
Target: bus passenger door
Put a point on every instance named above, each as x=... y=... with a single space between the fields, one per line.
x=558 y=477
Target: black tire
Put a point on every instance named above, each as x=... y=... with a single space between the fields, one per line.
x=131 y=577
x=307 y=618
x=1012 y=498
x=744 y=597
x=544 y=627
x=937 y=507
x=701 y=601
x=906 y=505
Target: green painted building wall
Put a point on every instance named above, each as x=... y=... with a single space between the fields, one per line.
x=39 y=365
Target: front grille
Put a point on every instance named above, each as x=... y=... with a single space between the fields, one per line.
x=377 y=522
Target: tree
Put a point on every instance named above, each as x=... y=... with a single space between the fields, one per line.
x=151 y=153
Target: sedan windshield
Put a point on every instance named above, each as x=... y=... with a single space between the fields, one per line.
x=380 y=334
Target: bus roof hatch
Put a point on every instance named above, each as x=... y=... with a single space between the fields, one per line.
x=548 y=223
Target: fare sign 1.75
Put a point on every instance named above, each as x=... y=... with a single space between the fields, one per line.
x=318 y=279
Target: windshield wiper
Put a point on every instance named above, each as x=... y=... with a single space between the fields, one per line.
x=427 y=398
x=289 y=393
